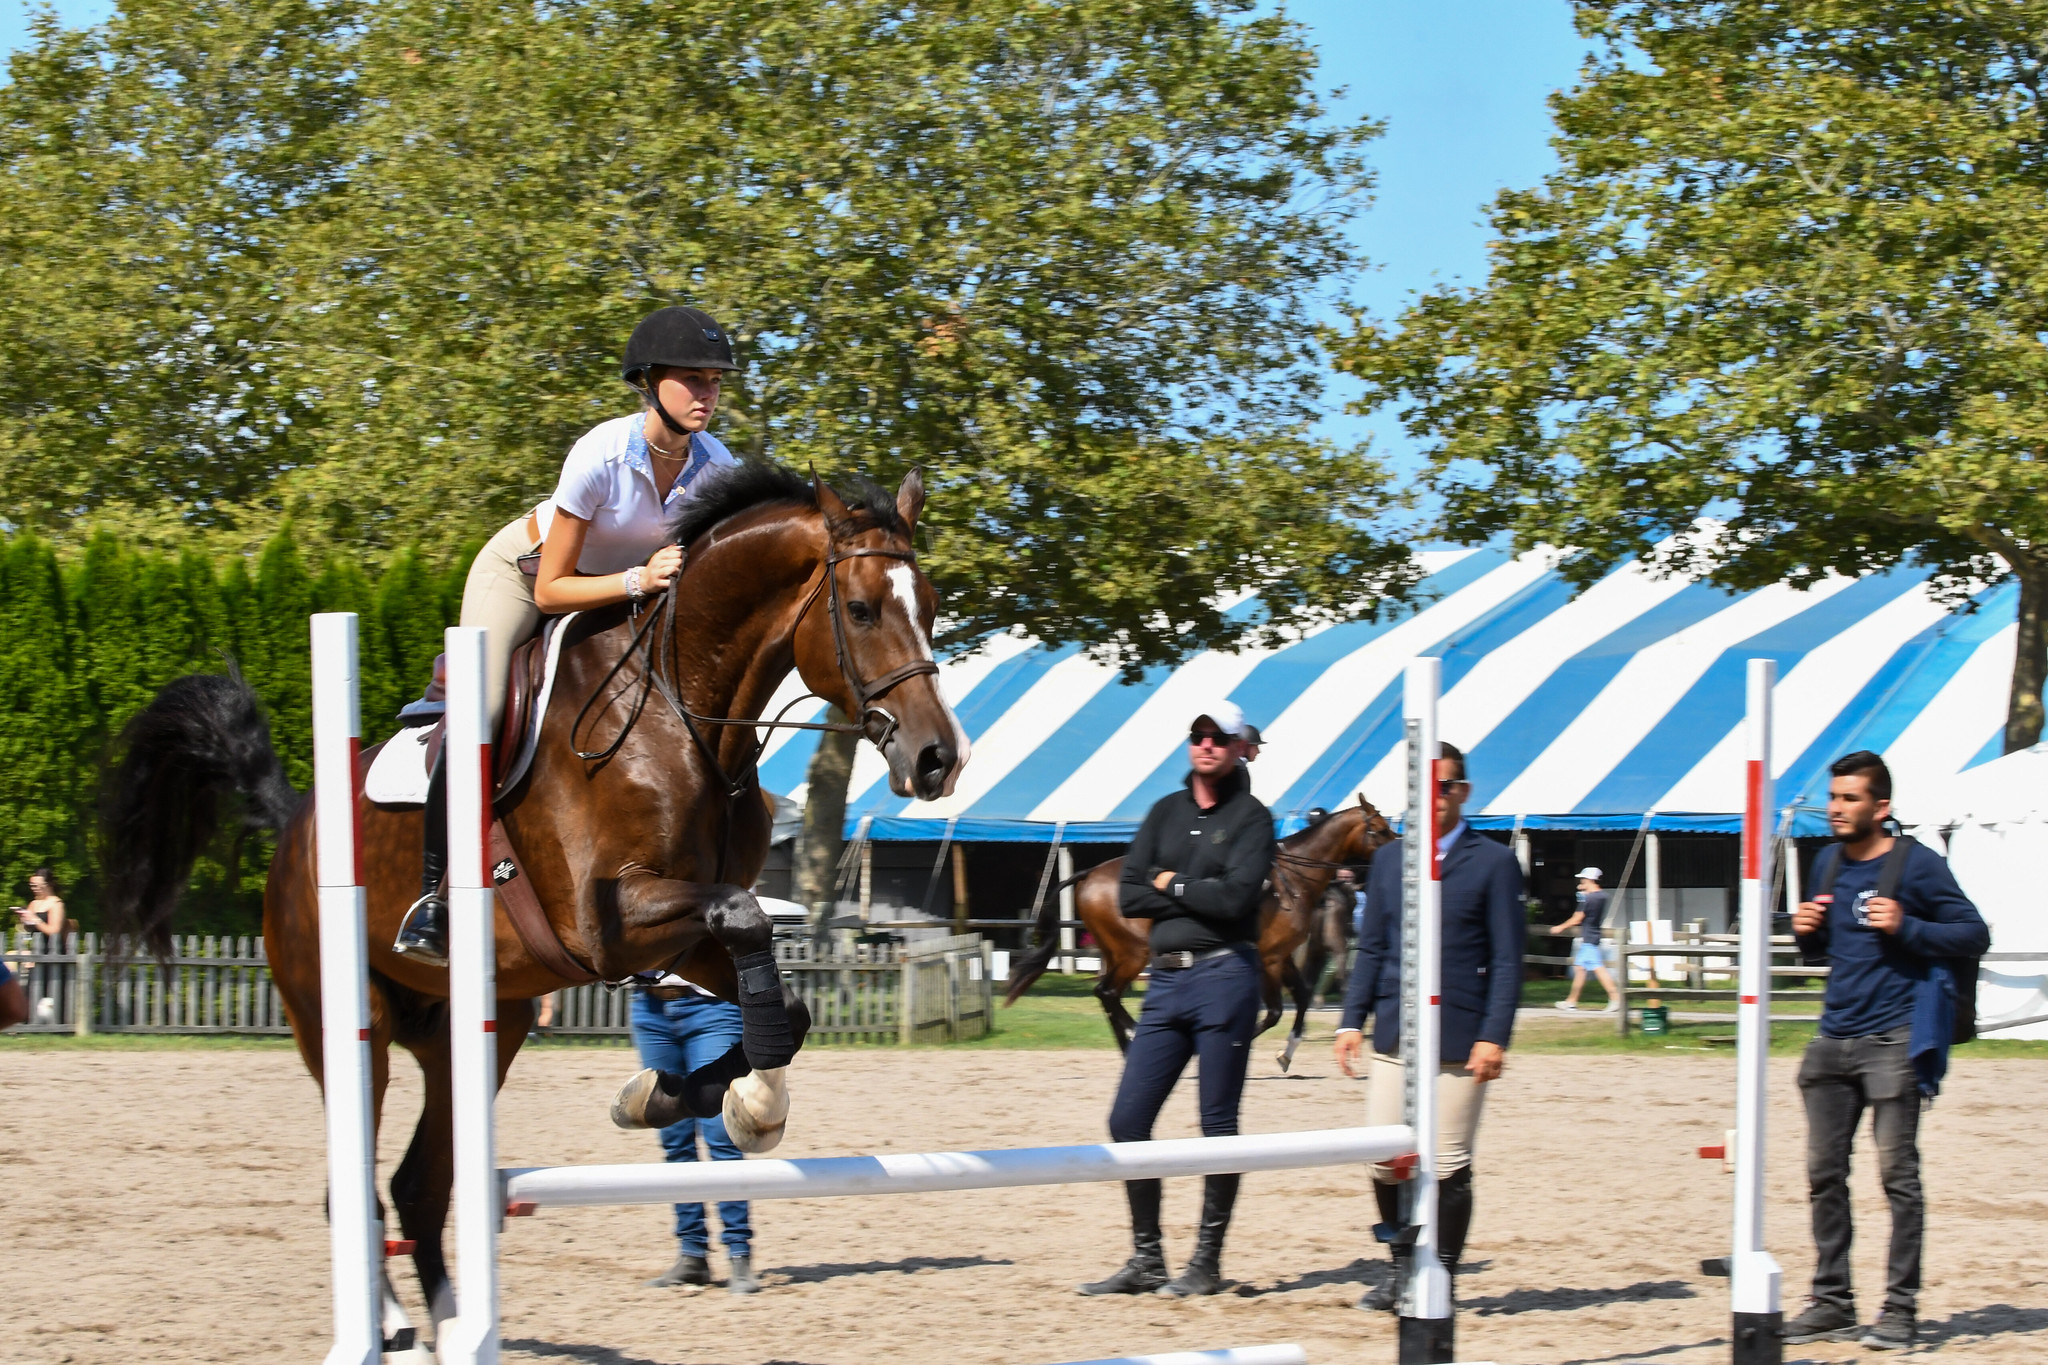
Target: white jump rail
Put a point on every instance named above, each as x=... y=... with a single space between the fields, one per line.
x=528 y=1188
x=1286 y=1354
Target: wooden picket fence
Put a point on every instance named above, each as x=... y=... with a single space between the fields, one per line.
x=936 y=989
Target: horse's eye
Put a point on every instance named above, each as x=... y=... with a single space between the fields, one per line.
x=861 y=613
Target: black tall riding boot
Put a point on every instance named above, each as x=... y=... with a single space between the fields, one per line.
x=1453 y=1217
x=1204 y=1274
x=423 y=933
x=1387 y=1296
x=1146 y=1270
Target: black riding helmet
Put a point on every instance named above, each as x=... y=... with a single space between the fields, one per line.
x=684 y=338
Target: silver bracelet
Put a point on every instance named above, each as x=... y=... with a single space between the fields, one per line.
x=633 y=589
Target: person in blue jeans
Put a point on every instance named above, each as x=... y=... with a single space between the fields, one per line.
x=678 y=1028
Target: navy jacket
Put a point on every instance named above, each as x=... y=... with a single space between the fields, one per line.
x=1484 y=926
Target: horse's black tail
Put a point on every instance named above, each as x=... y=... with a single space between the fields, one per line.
x=202 y=737
x=1025 y=971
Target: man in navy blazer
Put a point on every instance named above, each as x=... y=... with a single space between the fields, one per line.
x=1483 y=926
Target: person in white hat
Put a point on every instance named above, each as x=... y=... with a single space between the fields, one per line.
x=1587 y=954
x=1197 y=870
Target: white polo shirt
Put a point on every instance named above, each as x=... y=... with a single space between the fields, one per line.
x=608 y=481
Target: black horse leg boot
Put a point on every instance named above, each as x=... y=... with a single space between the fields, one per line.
x=1146 y=1270
x=423 y=933
x=1387 y=1296
x=1204 y=1273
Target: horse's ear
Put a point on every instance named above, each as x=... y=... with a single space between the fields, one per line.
x=830 y=503
x=910 y=498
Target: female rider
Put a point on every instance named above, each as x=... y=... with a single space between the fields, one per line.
x=597 y=541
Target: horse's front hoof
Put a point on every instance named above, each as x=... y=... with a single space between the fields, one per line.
x=644 y=1102
x=757 y=1110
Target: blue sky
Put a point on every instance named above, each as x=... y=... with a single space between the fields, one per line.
x=1461 y=86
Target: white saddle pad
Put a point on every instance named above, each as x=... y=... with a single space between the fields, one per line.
x=398 y=775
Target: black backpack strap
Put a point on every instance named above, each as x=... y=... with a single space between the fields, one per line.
x=1826 y=864
x=1894 y=867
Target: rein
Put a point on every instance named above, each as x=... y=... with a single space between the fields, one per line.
x=652 y=679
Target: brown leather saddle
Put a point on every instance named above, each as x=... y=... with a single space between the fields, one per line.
x=511 y=762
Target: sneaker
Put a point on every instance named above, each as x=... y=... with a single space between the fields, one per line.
x=1820 y=1322
x=1893 y=1331
x=1567 y=1006
x=1611 y=1007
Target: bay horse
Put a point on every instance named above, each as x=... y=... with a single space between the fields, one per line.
x=1302 y=870
x=640 y=853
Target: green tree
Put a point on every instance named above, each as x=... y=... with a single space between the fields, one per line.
x=154 y=170
x=1060 y=254
x=46 y=748
x=1788 y=269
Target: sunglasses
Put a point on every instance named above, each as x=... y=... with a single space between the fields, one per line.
x=1444 y=784
x=1197 y=738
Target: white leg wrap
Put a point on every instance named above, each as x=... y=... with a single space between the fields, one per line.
x=756 y=1108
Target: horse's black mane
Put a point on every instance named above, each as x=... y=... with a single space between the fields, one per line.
x=751 y=483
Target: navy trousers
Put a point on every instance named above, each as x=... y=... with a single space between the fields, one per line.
x=679 y=1036
x=1208 y=1011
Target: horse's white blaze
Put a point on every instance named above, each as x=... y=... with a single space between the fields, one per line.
x=904 y=586
x=756 y=1109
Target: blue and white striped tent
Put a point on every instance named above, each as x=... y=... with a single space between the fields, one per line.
x=1576 y=712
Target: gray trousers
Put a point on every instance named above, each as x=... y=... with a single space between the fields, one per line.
x=1839 y=1079
x=499 y=598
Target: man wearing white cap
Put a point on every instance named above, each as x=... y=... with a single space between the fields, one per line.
x=1196 y=869
x=1587 y=954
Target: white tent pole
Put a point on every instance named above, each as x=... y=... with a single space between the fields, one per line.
x=354 y=1234
x=1754 y=1276
x=472 y=1337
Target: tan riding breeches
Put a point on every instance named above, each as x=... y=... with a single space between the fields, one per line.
x=499 y=598
x=1459 y=1099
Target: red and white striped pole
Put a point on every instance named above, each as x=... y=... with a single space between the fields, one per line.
x=1754 y=1276
x=355 y=1236
x=472 y=1336
x=1426 y=1325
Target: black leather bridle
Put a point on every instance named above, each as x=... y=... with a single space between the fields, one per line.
x=652 y=679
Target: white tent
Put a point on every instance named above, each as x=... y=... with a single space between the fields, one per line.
x=1996 y=818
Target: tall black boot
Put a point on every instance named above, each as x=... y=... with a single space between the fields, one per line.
x=1453 y=1217
x=1204 y=1273
x=423 y=933
x=1146 y=1270
x=1387 y=1296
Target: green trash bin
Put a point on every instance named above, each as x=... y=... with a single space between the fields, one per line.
x=1656 y=1019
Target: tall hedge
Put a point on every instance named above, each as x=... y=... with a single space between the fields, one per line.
x=87 y=639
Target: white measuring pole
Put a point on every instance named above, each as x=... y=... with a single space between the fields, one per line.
x=1753 y=1274
x=1426 y=1326
x=472 y=1336
x=354 y=1234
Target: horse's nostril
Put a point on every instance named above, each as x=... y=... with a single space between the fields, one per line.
x=934 y=761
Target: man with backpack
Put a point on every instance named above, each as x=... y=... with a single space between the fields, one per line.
x=1900 y=939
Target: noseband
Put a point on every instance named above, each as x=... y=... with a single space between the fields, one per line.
x=652 y=678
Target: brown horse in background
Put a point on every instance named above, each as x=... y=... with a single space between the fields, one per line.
x=640 y=853
x=1302 y=870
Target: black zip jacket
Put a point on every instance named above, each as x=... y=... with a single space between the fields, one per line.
x=1220 y=859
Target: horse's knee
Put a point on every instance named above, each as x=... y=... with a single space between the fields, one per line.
x=738 y=922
